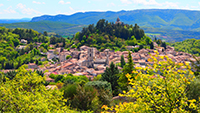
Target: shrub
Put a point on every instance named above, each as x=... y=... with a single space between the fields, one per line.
x=68 y=56
x=152 y=92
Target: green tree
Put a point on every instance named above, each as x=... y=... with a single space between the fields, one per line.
x=110 y=75
x=122 y=61
x=45 y=33
x=26 y=93
x=53 y=40
x=151 y=45
x=163 y=45
x=128 y=68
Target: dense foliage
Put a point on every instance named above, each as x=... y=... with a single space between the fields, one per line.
x=162 y=87
x=11 y=55
x=90 y=96
x=111 y=75
x=127 y=68
x=191 y=46
x=112 y=36
x=26 y=93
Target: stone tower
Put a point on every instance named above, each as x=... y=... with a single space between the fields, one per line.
x=107 y=57
x=118 y=21
x=90 y=60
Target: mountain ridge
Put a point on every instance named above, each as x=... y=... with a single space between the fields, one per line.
x=4 y=21
x=157 y=18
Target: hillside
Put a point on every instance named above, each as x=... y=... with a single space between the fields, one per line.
x=15 y=20
x=191 y=46
x=171 y=35
x=118 y=36
x=157 y=18
x=66 y=29
x=41 y=26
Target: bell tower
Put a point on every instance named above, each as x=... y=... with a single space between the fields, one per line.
x=90 y=60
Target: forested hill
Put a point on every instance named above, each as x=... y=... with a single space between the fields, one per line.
x=105 y=35
x=15 y=52
x=158 y=18
x=191 y=46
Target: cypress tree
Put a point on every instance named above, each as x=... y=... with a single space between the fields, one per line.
x=122 y=61
x=128 y=68
x=151 y=45
x=110 y=75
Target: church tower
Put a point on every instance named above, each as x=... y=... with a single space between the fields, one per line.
x=118 y=21
x=107 y=57
x=91 y=54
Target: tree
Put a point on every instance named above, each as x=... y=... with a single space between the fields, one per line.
x=122 y=61
x=68 y=56
x=63 y=41
x=10 y=74
x=163 y=45
x=45 y=33
x=110 y=75
x=53 y=40
x=26 y=92
x=128 y=68
x=155 y=93
x=151 y=45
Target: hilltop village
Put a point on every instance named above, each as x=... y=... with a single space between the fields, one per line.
x=90 y=62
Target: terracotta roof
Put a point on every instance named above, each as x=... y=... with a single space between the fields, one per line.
x=67 y=64
x=49 y=79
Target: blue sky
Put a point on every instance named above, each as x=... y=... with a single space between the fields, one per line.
x=14 y=9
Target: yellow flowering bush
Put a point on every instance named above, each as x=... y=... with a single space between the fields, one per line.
x=161 y=87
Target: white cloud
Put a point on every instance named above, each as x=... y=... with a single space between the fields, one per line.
x=71 y=8
x=170 y=4
x=126 y=1
x=89 y=2
x=38 y=2
x=63 y=2
x=25 y=10
x=154 y=3
x=199 y=3
x=21 y=6
x=144 y=2
x=1 y=5
x=9 y=10
x=111 y=4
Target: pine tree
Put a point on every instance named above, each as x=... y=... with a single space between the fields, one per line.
x=151 y=45
x=128 y=68
x=110 y=75
x=164 y=45
x=122 y=61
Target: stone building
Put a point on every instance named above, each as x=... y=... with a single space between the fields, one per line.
x=118 y=21
x=90 y=59
x=93 y=61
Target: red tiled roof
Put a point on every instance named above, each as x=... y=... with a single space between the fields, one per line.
x=67 y=64
x=55 y=73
